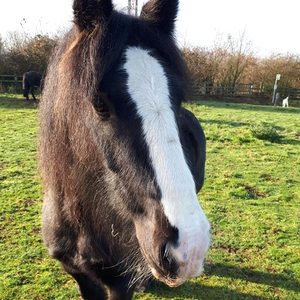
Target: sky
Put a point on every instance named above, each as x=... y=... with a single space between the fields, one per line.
x=271 y=26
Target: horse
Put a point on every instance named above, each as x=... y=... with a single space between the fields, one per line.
x=121 y=160
x=30 y=80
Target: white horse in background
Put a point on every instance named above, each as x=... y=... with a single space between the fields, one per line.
x=285 y=102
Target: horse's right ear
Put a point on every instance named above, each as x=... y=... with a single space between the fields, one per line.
x=161 y=13
x=90 y=13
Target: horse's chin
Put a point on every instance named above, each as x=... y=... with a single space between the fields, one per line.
x=171 y=282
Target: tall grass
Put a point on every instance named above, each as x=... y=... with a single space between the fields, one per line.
x=251 y=196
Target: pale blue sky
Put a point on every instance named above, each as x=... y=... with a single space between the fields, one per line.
x=272 y=26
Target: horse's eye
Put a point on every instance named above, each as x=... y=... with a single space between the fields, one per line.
x=101 y=107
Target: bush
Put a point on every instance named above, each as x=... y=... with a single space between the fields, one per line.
x=265 y=131
x=21 y=53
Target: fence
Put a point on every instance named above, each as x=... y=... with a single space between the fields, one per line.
x=11 y=83
x=243 y=90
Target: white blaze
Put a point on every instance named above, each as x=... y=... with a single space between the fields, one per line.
x=149 y=90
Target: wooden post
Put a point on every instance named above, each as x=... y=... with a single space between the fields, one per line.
x=277 y=98
x=275 y=88
x=136 y=8
x=129 y=7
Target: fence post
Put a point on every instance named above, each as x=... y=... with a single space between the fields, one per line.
x=275 y=88
x=16 y=81
x=277 y=98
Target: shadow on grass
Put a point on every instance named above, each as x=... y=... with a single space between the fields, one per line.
x=222 y=122
x=198 y=291
x=251 y=107
x=17 y=102
x=276 y=280
x=288 y=141
x=281 y=140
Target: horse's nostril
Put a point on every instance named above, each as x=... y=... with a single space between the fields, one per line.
x=167 y=260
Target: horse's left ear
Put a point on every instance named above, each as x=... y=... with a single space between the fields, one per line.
x=89 y=13
x=161 y=13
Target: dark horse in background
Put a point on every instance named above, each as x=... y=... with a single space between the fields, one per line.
x=121 y=160
x=30 y=80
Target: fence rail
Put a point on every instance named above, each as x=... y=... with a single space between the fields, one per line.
x=246 y=90
x=11 y=83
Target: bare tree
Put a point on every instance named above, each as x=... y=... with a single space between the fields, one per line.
x=22 y=53
x=2 y=54
x=238 y=58
x=224 y=65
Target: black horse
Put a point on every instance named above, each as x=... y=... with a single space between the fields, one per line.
x=30 y=80
x=121 y=160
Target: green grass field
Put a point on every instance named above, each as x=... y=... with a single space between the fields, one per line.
x=251 y=196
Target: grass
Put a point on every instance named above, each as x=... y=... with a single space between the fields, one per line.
x=251 y=196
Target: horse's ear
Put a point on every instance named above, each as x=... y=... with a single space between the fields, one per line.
x=89 y=13
x=162 y=13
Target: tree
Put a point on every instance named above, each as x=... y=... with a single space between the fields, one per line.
x=2 y=54
x=225 y=64
x=238 y=59
x=23 y=53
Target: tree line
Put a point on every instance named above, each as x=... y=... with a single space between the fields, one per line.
x=20 y=53
x=232 y=61
x=229 y=62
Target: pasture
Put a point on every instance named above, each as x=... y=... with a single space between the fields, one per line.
x=251 y=196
